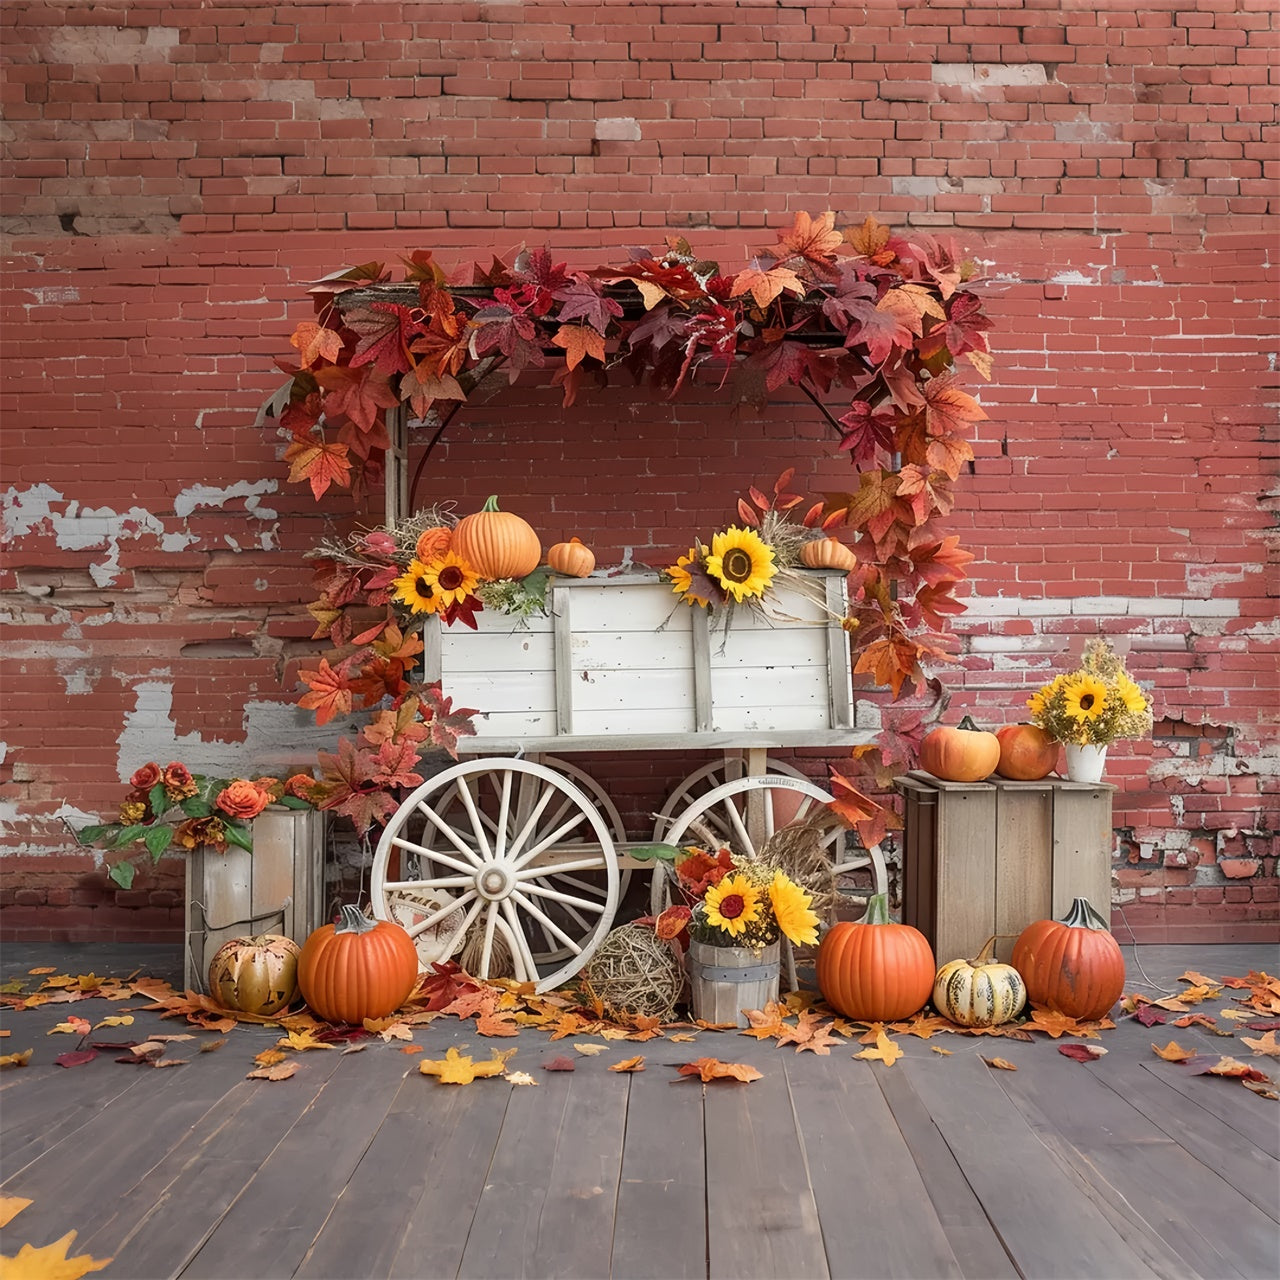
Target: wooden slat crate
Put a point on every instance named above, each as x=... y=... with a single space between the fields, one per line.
x=278 y=888
x=991 y=857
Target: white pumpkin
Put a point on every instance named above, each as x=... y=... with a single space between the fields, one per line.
x=979 y=992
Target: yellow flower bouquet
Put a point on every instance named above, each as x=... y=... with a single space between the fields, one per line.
x=1093 y=705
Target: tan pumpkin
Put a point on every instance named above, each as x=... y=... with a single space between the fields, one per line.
x=980 y=992
x=256 y=974
x=963 y=754
x=572 y=558
x=497 y=544
x=828 y=553
x=1027 y=753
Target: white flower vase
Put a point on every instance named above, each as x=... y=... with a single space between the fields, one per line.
x=1085 y=762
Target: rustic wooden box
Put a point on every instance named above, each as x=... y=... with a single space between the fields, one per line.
x=991 y=857
x=278 y=888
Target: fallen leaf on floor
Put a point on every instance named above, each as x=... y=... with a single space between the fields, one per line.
x=1150 y=1016
x=1196 y=979
x=1002 y=1064
x=1236 y=1015
x=1081 y=1052
x=1058 y=1024
x=937 y=1048
x=458 y=1068
x=16 y=1059
x=76 y=1058
x=682 y=1038
x=884 y=1050
x=629 y=1064
x=1263 y=1044
x=48 y=968
x=715 y=1026
x=1228 y=1067
x=115 y=1020
x=873 y=1033
x=559 y=1064
x=925 y=1026
x=5 y=1033
x=277 y=1071
x=302 y=1040
x=359 y=1047
x=212 y=1046
x=568 y=1024
x=1269 y=1024
x=10 y=1207
x=590 y=1050
x=1263 y=1090
x=407 y=1048
x=1197 y=1020
x=1173 y=1052
x=269 y=1057
x=765 y=1023
x=50 y=1262
x=72 y=1026
x=708 y=1069
x=520 y=1077
x=389 y=1028
x=615 y=1033
x=497 y=1024
x=812 y=1032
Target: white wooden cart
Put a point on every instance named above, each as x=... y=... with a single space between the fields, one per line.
x=518 y=850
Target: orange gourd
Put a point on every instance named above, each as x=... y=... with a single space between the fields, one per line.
x=1027 y=753
x=828 y=553
x=876 y=970
x=572 y=558
x=963 y=754
x=357 y=969
x=255 y=975
x=433 y=542
x=497 y=544
x=1072 y=965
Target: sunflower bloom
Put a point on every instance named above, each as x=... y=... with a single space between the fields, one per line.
x=1035 y=703
x=682 y=580
x=742 y=562
x=791 y=909
x=1132 y=697
x=450 y=579
x=733 y=904
x=1086 y=699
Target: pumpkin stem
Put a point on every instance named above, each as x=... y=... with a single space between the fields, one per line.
x=491 y=503
x=967 y=723
x=354 y=921
x=877 y=910
x=984 y=955
x=1083 y=916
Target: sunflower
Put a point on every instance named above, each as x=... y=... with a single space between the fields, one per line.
x=791 y=909
x=1085 y=699
x=682 y=579
x=1132 y=697
x=450 y=578
x=733 y=904
x=741 y=561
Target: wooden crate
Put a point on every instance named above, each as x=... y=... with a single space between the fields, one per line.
x=278 y=888
x=620 y=655
x=991 y=857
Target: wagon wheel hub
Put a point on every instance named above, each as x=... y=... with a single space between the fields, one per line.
x=494 y=882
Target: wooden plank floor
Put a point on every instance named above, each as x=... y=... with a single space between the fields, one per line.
x=360 y=1167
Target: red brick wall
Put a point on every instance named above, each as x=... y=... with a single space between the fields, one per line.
x=175 y=174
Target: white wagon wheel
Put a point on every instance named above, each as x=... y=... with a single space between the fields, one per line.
x=723 y=811
x=516 y=836
x=700 y=781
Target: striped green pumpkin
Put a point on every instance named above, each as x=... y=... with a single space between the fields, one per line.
x=979 y=992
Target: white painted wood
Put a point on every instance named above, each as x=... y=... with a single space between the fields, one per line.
x=499 y=743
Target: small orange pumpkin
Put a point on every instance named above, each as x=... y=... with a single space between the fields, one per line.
x=828 y=553
x=255 y=975
x=497 y=544
x=963 y=754
x=875 y=970
x=1072 y=965
x=572 y=558
x=357 y=969
x=1027 y=753
x=433 y=542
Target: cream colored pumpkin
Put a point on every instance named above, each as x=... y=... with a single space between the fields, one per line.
x=828 y=553
x=979 y=992
x=255 y=975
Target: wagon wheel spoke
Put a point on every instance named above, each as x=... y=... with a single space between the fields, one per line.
x=549 y=926
x=443 y=913
x=436 y=855
x=472 y=853
x=526 y=969
x=425 y=886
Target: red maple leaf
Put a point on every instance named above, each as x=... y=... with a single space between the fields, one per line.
x=926 y=491
x=357 y=394
x=445 y=724
x=891 y=661
x=868 y=433
x=505 y=326
x=938 y=562
x=322 y=464
x=583 y=300
x=352 y=788
x=948 y=410
x=394 y=764
x=386 y=331
x=330 y=691
x=656 y=280
x=444 y=345
x=315 y=342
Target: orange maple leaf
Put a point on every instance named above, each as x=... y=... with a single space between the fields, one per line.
x=765 y=1023
x=629 y=1064
x=1173 y=1052
x=764 y=286
x=320 y=464
x=891 y=661
x=871 y=241
x=51 y=1261
x=813 y=238
x=708 y=1069
x=330 y=692
x=812 y=1032
x=579 y=341
x=949 y=411
x=884 y=1050
x=315 y=342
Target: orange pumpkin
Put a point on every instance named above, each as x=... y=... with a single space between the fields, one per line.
x=1027 y=753
x=876 y=970
x=828 y=553
x=497 y=544
x=255 y=975
x=357 y=969
x=572 y=558
x=1072 y=965
x=963 y=754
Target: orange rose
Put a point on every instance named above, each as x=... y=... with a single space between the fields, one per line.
x=146 y=777
x=178 y=782
x=199 y=831
x=433 y=543
x=242 y=799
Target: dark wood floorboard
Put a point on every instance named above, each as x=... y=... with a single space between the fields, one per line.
x=859 y=1185
x=1236 y=1107
x=660 y=1232
x=1005 y=1164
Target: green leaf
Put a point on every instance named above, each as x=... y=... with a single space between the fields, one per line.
x=292 y=802
x=122 y=874
x=158 y=799
x=656 y=852
x=127 y=835
x=194 y=807
x=534 y=585
x=240 y=836
x=157 y=840
x=90 y=835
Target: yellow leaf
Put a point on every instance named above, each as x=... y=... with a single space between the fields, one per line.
x=1237 y=1015
x=884 y=1050
x=302 y=1040
x=10 y=1207
x=590 y=1050
x=49 y=1263
x=278 y=1071
x=1196 y=979
x=1173 y=1052
x=1263 y=1044
x=45 y=969
x=629 y=1064
x=1002 y=1063
x=520 y=1077
x=119 y=1020
x=683 y=1038
x=456 y=1068
x=16 y=1059
x=269 y=1057
x=937 y=1048
x=72 y=1026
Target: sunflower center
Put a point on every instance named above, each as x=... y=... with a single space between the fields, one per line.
x=732 y=906
x=423 y=587
x=1086 y=702
x=737 y=565
x=450 y=578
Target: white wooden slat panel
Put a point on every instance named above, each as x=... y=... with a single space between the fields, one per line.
x=512 y=724
x=648 y=687
x=633 y=720
x=622 y=650
x=637 y=607
x=760 y=719
x=780 y=648
x=501 y=651
x=503 y=690
x=770 y=686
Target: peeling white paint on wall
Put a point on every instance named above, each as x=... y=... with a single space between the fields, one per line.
x=204 y=495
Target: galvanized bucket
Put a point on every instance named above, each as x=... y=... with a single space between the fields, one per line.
x=726 y=980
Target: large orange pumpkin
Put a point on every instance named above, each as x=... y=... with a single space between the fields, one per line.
x=876 y=970
x=1027 y=753
x=1072 y=965
x=255 y=975
x=497 y=544
x=963 y=754
x=357 y=969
